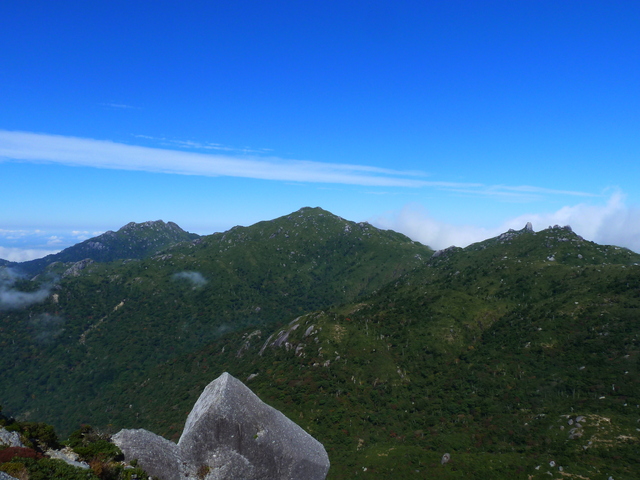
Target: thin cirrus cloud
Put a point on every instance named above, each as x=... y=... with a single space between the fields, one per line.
x=74 y=151
x=523 y=193
x=117 y=106
x=190 y=144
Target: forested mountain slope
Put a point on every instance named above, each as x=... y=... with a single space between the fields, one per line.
x=103 y=326
x=518 y=356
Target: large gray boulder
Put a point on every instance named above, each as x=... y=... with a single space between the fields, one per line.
x=155 y=454
x=229 y=434
x=9 y=439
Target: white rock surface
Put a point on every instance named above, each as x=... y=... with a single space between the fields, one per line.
x=10 y=439
x=67 y=455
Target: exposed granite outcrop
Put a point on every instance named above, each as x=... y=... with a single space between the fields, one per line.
x=230 y=433
x=158 y=456
x=68 y=456
x=9 y=439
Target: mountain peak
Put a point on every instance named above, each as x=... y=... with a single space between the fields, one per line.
x=133 y=240
x=150 y=224
x=553 y=245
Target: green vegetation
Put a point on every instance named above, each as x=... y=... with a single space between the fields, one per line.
x=517 y=356
x=103 y=458
x=67 y=360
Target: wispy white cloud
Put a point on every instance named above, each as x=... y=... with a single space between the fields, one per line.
x=416 y=222
x=196 y=279
x=11 y=298
x=520 y=193
x=72 y=151
x=611 y=223
x=105 y=154
x=13 y=234
x=54 y=240
x=17 y=254
x=118 y=105
x=46 y=327
x=21 y=245
x=189 y=144
x=82 y=235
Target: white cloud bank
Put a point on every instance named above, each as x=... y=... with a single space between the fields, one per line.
x=17 y=254
x=73 y=151
x=196 y=279
x=613 y=223
x=11 y=299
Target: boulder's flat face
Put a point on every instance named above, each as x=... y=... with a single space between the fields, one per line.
x=155 y=454
x=230 y=427
x=230 y=433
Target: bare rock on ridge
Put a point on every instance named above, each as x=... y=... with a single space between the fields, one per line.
x=9 y=439
x=230 y=433
x=155 y=454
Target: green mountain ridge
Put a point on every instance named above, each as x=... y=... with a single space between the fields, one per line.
x=132 y=241
x=111 y=322
x=518 y=356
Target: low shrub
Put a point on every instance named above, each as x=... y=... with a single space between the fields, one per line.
x=10 y=453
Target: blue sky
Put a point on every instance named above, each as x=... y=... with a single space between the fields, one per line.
x=450 y=121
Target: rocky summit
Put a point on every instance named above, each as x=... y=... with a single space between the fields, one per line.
x=230 y=433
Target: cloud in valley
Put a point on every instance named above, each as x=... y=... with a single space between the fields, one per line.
x=12 y=299
x=613 y=223
x=194 y=278
x=46 y=327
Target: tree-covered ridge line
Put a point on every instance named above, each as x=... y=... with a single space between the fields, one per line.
x=507 y=362
x=111 y=321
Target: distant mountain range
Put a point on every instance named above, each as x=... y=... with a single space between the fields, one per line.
x=134 y=241
x=518 y=356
